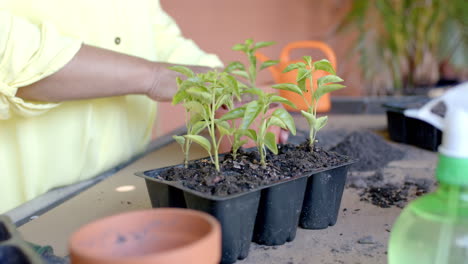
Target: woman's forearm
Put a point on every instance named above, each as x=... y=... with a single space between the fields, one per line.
x=95 y=73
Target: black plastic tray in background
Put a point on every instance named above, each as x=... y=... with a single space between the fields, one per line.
x=410 y=130
x=268 y=215
x=13 y=250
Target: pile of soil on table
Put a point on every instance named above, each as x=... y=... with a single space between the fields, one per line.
x=371 y=150
x=245 y=173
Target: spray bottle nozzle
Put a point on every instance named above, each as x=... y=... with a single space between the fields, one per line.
x=455 y=123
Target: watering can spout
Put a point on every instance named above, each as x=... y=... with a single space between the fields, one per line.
x=275 y=69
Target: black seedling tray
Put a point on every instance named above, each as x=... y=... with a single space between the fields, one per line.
x=268 y=215
x=409 y=130
x=13 y=250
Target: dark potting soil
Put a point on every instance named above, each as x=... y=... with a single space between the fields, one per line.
x=245 y=173
x=371 y=150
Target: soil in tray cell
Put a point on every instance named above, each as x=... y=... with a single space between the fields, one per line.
x=245 y=172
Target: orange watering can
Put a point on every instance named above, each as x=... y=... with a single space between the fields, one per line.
x=324 y=103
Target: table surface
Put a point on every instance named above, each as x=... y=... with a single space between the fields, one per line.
x=337 y=244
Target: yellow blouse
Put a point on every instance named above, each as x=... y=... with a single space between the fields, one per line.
x=45 y=145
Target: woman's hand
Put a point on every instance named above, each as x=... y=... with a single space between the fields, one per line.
x=164 y=86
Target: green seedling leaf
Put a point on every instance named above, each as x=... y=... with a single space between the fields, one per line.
x=234 y=114
x=309 y=117
x=302 y=74
x=324 y=65
x=294 y=66
x=194 y=118
x=180 y=140
x=179 y=97
x=199 y=92
x=279 y=99
x=329 y=79
x=198 y=127
x=308 y=60
x=223 y=100
x=302 y=85
x=201 y=141
x=321 y=90
x=179 y=81
x=275 y=121
x=255 y=91
x=248 y=42
x=287 y=119
x=252 y=110
x=239 y=47
x=288 y=87
x=240 y=73
x=250 y=133
x=270 y=142
x=268 y=63
x=235 y=65
x=239 y=144
x=193 y=107
x=231 y=82
x=321 y=122
x=184 y=70
x=223 y=127
x=262 y=44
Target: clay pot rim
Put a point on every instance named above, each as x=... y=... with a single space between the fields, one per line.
x=214 y=229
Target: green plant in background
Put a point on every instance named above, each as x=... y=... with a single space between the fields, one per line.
x=404 y=37
x=203 y=94
x=325 y=84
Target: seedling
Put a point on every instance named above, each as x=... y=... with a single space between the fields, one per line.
x=259 y=107
x=250 y=74
x=325 y=84
x=202 y=95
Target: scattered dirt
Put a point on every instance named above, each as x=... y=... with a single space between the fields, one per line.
x=371 y=150
x=380 y=193
x=374 y=153
x=245 y=173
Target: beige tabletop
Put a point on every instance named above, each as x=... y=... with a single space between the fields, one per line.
x=338 y=244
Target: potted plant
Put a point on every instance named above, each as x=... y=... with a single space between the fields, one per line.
x=406 y=45
x=254 y=193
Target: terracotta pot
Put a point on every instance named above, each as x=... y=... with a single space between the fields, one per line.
x=324 y=103
x=158 y=236
x=226 y=145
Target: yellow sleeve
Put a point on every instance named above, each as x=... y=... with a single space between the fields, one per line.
x=29 y=53
x=172 y=47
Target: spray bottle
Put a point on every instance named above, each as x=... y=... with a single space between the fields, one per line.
x=434 y=228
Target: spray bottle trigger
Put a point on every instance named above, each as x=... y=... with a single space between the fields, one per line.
x=425 y=114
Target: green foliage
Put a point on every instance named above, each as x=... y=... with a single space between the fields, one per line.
x=396 y=37
x=258 y=109
x=203 y=94
x=325 y=84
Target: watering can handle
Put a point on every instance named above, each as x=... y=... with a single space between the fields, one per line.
x=327 y=50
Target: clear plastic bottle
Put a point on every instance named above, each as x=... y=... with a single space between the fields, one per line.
x=432 y=229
